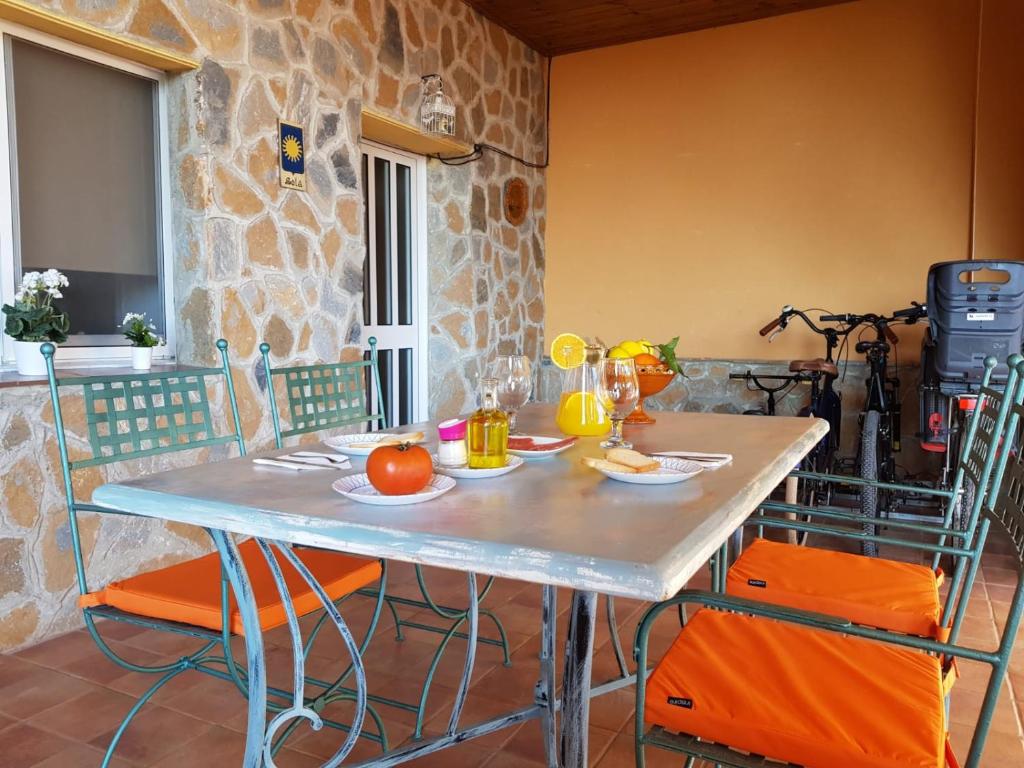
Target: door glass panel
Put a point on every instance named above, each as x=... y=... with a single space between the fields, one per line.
x=382 y=229
x=384 y=367
x=405 y=385
x=366 y=242
x=403 y=243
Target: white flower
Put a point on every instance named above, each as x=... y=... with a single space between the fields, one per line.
x=20 y=296
x=55 y=293
x=133 y=317
x=32 y=281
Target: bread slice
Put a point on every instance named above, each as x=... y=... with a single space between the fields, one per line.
x=607 y=466
x=631 y=458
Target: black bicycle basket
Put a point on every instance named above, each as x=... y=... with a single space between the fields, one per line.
x=975 y=309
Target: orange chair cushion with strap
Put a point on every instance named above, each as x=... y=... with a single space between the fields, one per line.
x=799 y=695
x=901 y=597
x=190 y=592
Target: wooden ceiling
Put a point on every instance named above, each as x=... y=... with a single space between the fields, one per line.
x=554 y=27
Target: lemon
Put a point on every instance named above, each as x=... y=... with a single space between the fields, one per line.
x=568 y=350
x=632 y=348
x=617 y=352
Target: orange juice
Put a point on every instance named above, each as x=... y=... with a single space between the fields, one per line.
x=579 y=413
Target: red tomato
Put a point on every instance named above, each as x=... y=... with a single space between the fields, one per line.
x=397 y=470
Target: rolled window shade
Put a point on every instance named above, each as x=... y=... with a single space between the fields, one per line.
x=85 y=162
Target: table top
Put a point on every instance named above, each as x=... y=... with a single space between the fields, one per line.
x=552 y=521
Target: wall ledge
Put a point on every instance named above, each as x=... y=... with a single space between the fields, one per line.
x=394 y=133
x=66 y=28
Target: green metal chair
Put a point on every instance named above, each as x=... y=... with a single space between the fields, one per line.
x=868 y=690
x=334 y=395
x=873 y=591
x=139 y=415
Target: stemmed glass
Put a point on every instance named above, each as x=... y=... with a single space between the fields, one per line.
x=618 y=390
x=515 y=383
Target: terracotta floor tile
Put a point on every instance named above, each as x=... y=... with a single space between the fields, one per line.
x=87 y=716
x=153 y=733
x=80 y=756
x=25 y=746
x=26 y=688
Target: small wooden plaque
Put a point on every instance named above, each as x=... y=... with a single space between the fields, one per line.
x=517 y=201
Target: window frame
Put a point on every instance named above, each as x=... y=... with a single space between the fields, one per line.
x=116 y=355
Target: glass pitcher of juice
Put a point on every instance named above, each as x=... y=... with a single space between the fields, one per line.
x=487 y=431
x=579 y=411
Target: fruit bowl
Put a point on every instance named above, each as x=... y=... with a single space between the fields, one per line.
x=653 y=379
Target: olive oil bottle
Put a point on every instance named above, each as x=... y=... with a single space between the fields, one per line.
x=487 y=431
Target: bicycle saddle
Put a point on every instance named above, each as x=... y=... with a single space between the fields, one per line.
x=818 y=364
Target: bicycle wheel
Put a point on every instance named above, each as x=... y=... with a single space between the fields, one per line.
x=869 y=471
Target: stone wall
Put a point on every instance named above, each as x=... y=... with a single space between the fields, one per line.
x=253 y=261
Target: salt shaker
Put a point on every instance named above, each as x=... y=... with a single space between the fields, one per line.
x=451 y=450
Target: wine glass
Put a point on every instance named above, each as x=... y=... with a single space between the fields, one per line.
x=618 y=390
x=515 y=383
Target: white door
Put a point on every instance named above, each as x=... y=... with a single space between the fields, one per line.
x=395 y=278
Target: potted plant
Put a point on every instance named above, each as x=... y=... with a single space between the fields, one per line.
x=140 y=334
x=33 y=319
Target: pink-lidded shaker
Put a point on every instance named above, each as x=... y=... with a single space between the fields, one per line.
x=451 y=449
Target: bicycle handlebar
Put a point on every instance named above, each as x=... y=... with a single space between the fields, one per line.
x=909 y=316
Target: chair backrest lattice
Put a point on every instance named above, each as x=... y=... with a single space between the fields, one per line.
x=985 y=438
x=1008 y=510
x=323 y=396
x=135 y=416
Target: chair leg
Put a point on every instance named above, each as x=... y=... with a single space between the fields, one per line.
x=136 y=708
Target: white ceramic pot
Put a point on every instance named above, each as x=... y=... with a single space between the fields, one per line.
x=142 y=358
x=29 y=359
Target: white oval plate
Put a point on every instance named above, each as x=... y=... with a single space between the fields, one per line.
x=358 y=488
x=541 y=454
x=341 y=443
x=465 y=473
x=672 y=471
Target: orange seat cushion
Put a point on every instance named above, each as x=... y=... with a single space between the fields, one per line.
x=800 y=695
x=901 y=597
x=190 y=592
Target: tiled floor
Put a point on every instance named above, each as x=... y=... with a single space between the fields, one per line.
x=61 y=701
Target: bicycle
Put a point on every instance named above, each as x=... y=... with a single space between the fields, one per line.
x=879 y=420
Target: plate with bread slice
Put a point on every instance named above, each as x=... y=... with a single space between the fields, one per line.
x=629 y=466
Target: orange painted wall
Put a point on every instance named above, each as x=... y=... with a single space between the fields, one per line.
x=1000 y=186
x=701 y=181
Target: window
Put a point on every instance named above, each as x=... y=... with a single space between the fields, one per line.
x=87 y=185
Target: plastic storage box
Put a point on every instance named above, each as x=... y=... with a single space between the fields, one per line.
x=975 y=309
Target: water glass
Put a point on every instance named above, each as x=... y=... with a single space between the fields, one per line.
x=515 y=384
x=618 y=390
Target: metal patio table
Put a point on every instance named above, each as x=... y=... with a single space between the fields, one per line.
x=552 y=522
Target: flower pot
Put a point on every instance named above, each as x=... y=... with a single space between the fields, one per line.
x=29 y=359
x=142 y=358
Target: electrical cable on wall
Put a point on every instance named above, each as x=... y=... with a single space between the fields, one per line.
x=480 y=148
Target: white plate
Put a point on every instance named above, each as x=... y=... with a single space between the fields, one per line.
x=541 y=454
x=341 y=442
x=358 y=488
x=672 y=471
x=465 y=473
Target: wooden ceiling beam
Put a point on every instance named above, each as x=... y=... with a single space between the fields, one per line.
x=555 y=27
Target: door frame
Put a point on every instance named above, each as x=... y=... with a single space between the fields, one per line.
x=421 y=314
